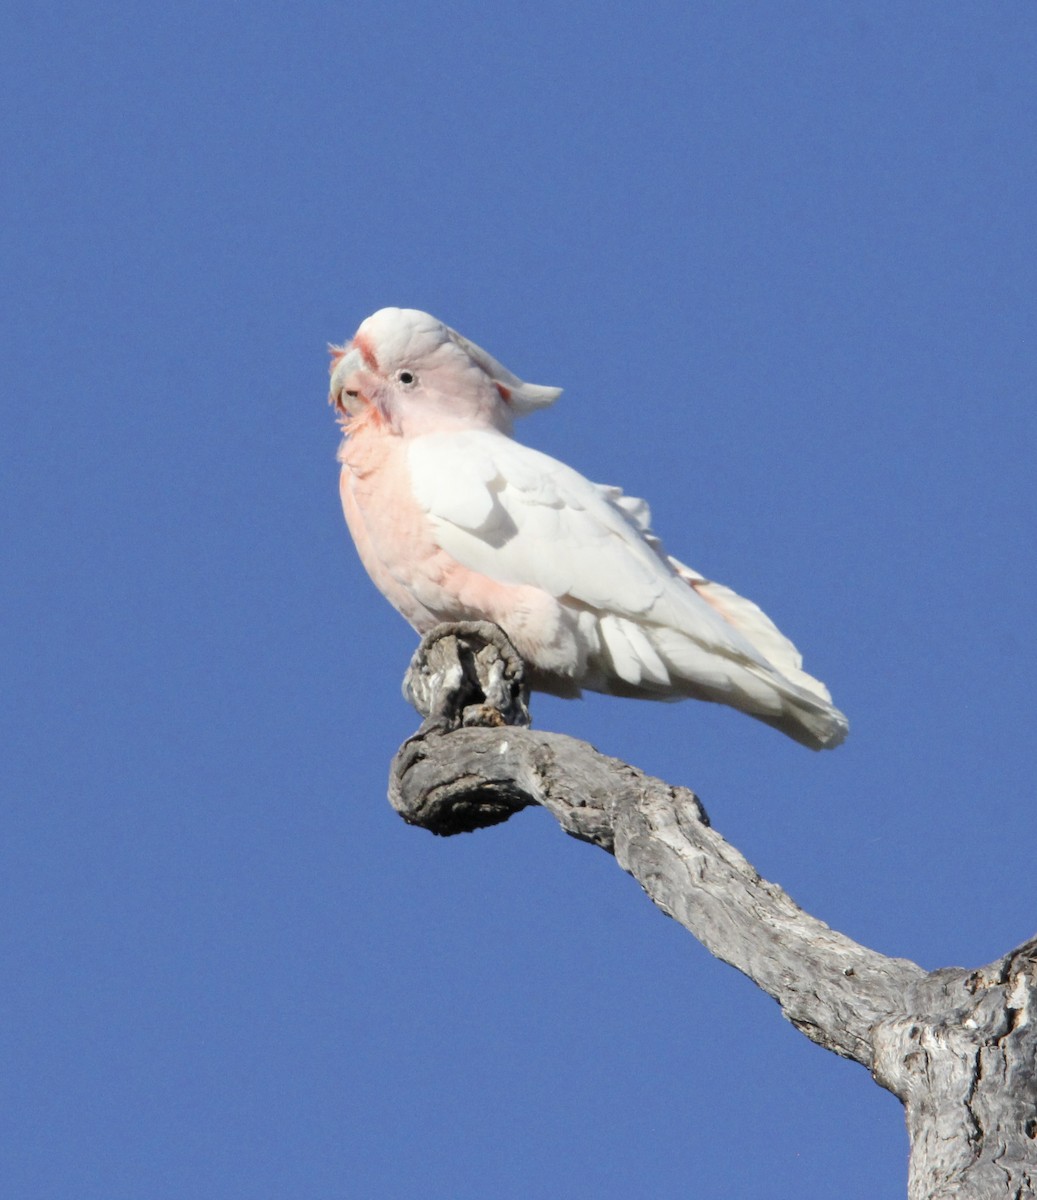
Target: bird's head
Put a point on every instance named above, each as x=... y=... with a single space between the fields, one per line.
x=410 y=373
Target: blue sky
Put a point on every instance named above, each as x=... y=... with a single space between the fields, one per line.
x=782 y=259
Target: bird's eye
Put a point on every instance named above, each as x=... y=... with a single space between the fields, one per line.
x=405 y=376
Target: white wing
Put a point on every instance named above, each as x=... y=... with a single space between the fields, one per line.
x=519 y=516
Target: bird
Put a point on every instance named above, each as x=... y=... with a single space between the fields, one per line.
x=455 y=520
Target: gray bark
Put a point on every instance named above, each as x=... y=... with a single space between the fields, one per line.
x=958 y=1047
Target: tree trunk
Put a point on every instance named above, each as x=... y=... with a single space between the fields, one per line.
x=958 y=1047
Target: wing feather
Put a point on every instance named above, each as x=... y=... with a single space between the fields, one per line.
x=535 y=522
x=655 y=626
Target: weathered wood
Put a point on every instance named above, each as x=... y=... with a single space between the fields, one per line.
x=467 y=673
x=963 y=1058
x=958 y=1047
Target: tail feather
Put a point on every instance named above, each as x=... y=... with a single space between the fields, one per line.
x=816 y=726
x=784 y=696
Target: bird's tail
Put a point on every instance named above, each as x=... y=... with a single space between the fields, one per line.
x=778 y=691
x=809 y=721
x=769 y=691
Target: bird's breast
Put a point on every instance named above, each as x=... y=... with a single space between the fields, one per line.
x=397 y=544
x=393 y=536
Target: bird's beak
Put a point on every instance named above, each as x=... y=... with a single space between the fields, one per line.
x=346 y=368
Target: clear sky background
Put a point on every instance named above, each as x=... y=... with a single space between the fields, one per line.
x=782 y=259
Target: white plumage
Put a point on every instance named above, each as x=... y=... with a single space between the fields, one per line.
x=456 y=520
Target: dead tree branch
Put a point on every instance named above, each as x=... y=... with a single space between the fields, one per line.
x=958 y=1047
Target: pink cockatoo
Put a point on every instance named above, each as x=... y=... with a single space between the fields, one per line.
x=456 y=521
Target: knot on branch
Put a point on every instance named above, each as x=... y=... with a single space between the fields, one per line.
x=467 y=673
x=457 y=782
